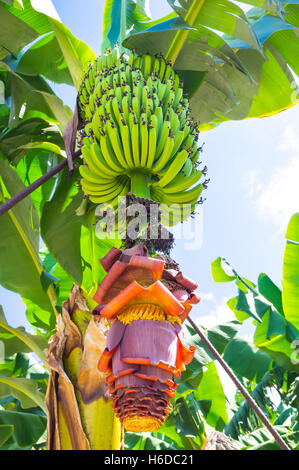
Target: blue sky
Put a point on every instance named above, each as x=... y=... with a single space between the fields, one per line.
x=252 y=194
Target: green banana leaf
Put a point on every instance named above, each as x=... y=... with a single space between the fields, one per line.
x=35 y=19
x=61 y=227
x=188 y=419
x=14 y=3
x=39 y=98
x=76 y=53
x=135 y=441
x=31 y=167
x=6 y=430
x=246 y=360
x=212 y=398
x=60 y=51
x=249 y=302
x=220 y=15
x=30 y=130
x=58 y=56
x=274 y=334
x=14 y=33
x=25 y=390
x=270 y=291
x=45 y=57
x=262 y=439
x=238 y=78
x=21 y=270
x=39 y=317
x=180 y=441
x=16 y=340
x=220 y=336
x=69 y=238
x=244 y=419
x=222 y=271
x=24 y=365
x=274 y=6
x=26 y=428
x=271 y=336
x=63 y=281
x=136 y=14
x=290 y=282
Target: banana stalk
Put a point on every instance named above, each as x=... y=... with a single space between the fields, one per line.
x=80 y=412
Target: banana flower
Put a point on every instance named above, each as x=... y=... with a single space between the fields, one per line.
x=146 y=303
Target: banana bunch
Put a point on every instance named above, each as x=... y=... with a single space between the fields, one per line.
x=139 y=135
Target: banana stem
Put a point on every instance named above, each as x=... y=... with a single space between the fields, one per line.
x=181 y=36
x=139 y=185
x=10 y=203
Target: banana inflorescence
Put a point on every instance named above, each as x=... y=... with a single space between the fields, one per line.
x=139 y=135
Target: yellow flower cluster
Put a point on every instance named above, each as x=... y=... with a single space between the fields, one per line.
x=145 y=312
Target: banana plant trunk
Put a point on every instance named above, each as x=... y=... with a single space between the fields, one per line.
x=80 y=411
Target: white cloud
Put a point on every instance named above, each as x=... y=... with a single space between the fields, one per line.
x=279 y=199
x=219 y=311
x=291 y=140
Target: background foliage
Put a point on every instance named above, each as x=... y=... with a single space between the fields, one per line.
x=244 y=69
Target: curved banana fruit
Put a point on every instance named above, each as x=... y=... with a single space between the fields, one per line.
x=187 y=168
x=185 y=197
x=174 y=168
x=180 y=182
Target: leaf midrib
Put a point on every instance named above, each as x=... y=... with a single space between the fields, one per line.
x=33 y=396
x=25 y=339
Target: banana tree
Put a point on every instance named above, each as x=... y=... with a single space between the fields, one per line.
x=134 y=127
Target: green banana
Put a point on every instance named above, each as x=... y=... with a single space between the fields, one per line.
x=135 y=142
x=174 y=168
x=146 y=65
x=152 y=142
x=109 y=155
x=181 y=182
x=162 y=69
x=162 y=138
x=166 y=154
x=136 y=106
x=187 y=168
x=185 y=197
x=126 y=142
x=95 y=165
x=116 y=143
x=97 y=189
x=97 y=158
x=144 y=139
x=89 y=175
x=174 y=122
x=100 y=199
